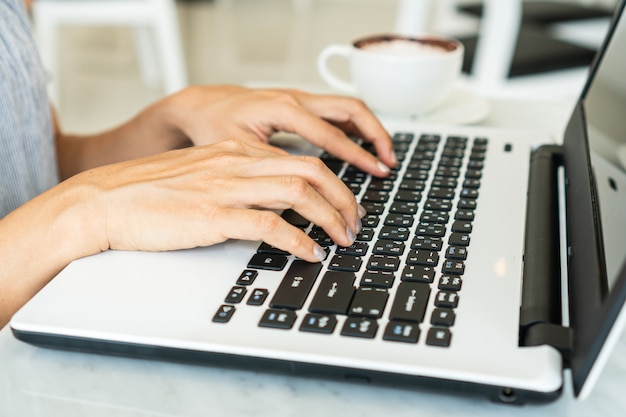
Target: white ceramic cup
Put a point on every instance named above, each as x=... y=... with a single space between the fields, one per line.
x=397 y=74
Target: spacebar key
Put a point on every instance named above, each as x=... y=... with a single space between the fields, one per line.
x=296 y=285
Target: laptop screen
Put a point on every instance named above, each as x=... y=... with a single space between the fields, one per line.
x=595 y=166
x=604 y=105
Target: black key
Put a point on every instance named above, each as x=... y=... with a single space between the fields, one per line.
x=396 y=219
x=414 y=185
x=474 y=174
x=295 y=286
x=257 y=297
x=368 y=302
x=430 y=229
x=365 y=235
x=447 y=299
x=334 y=293
x=380 y=184
x=467 y=215
x=418 y=165
x=236 y=294
x=370 y=221
x=403 y=207
x=345 y=263
x=388 y=247
x=438 y=336
x=408 y=195
x=418 y=273
x=477 y=155
x=450 y=283
x=403 y=137
x=224 y=313
x=267 y=248
x=459 y=239
x=452 y=152
x=444 y=182
x=373 y=208
x=318 y=323
x=410 y=302
x=427 y=242
x=377 y=196
x=269 y=261
x=278 y=319
x=461 y=226
x=466 y=203
x=442 y=193
x=397 y=331
x=442 y=317
x=360 y=327
x=423 y=155
x=447 y=162
x=247 y=277
x=469 y=193
x=430 y=216
x=422 y=257
x=295 y=219
x=381 y=279
x=437 y=205
x=321 y=237
x=356 y=249
x=383 y=263
x=473 y=164
x=394 y=233
x=453 y=267
x=456 y=252
x=447 y=172
x=471 y=183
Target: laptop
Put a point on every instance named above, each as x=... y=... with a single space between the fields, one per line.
x=491 y=261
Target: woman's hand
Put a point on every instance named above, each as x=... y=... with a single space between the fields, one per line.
x=209 y=114
x=204 y=195
x=175 y=200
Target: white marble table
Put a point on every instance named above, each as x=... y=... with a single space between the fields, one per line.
x=43 y=382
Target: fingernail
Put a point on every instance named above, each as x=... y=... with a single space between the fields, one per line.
x=384 y=168
x=359 y=225
x=319 y=252
x=351 y=235
x=362 y=211
x=394 y=158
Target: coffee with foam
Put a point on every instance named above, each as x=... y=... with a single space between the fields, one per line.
x=396 y=74
x=402 y=47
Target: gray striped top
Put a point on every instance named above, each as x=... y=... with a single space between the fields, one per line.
x=27 y=153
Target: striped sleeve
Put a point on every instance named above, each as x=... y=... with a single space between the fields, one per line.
x=27 y=153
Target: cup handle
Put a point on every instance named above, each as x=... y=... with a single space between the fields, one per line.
x=328 y=76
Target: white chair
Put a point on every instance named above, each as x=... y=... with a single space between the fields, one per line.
x=155 y=23
x=498 y=31
x=496 y=41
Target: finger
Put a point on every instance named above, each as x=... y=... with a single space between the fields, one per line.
x=296 y=119
x=289 y=192
x=269 y=227
x=315 y=173
x=354 y=116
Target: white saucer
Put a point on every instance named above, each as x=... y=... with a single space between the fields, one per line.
x=462 y=107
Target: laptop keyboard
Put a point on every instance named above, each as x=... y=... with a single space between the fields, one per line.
x=409 y=255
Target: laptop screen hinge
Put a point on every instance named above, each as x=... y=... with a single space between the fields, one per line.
x=541 y=306
x=559 y=337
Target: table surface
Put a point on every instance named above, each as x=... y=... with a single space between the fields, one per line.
x=43 y=382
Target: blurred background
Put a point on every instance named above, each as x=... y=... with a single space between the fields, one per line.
x=107 y=60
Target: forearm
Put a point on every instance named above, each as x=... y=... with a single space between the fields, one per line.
x=150 y=132
x=39 y=239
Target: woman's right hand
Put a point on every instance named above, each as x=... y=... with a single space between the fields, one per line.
x=204 y=195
